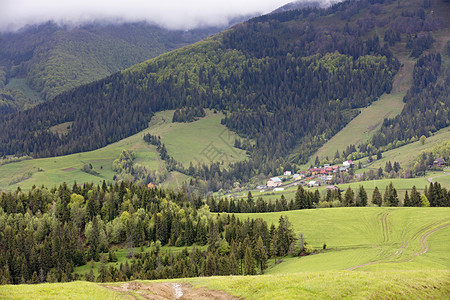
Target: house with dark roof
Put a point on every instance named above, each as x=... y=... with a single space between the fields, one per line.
x=439 y=162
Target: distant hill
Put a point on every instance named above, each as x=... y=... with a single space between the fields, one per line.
x=49 y=59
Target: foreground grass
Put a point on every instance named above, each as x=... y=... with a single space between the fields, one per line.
x=70 y=290
x=423 y=284
x=335 y=285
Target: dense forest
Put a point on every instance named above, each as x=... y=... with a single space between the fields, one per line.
x=289 y=81
x=46 y=233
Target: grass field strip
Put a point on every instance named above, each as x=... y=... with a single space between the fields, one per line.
x=410 y=244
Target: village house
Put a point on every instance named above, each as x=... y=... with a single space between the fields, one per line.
x=439 y=162
x=313 y=183
x=347 y=163
x=315 y=171
x=274 y=182
x=287 y=173
x=296 y=177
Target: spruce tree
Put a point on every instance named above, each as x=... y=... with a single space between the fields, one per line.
x=349 y=197
x=376 y=197
x=406 y=202
x=261 y=255
x=249 y=262
x=362 y=196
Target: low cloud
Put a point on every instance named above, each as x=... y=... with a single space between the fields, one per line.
x=171 y=14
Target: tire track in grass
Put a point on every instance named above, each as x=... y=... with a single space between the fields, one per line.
x=423 y=234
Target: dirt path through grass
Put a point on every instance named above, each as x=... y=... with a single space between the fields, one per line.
x=168 y=290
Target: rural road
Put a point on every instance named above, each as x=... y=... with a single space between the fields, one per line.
x=430 y=179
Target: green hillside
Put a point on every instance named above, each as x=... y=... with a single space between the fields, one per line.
x=186 y=142
x=48 y=59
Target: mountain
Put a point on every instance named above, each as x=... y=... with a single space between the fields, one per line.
x=39 y=62
x=288 y=81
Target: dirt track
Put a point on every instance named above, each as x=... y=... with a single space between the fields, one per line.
x=168 y=290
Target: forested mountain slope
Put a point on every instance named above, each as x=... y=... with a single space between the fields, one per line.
x=55 y=58
x=289 y=81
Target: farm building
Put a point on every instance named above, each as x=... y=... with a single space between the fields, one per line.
x=347 y=163
x=274 y=182
x=439 y=162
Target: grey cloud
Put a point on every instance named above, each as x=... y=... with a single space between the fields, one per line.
x=172 y=14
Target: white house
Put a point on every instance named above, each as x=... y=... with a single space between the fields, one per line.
x=313 y=183
x=287 y=173
x=347 y=163
x=274 y=182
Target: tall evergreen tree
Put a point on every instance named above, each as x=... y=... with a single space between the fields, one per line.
x=376 y=197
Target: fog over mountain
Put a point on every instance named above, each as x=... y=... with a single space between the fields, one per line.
x=171 y=14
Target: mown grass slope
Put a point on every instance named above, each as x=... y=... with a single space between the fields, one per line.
x=368 y=238
x=335 y=285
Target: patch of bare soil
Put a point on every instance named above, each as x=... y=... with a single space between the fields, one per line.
x=169 y=291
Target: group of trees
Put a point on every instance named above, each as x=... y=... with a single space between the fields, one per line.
x=188 y=114
x=305 y=199
x=47 y=233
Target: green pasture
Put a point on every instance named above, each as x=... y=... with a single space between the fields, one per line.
x=334 y=285
x=202 y=141
x=362 y=127
x=371 y=237
x=406 y=154
x=184 y=141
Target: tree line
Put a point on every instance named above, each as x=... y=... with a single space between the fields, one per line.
x=47 y=233
x=434 y=196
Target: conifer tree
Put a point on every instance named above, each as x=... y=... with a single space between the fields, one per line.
x=349 y=197
x=406 y=202
x=376 y=197
x=261 y=255
x=362 y=196
x=249 y=262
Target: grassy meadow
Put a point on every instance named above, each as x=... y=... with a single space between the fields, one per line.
x=59 y=291
x=375 y=238
x=334 y=285
x=184 y=141
x=406 y=154
x=362 y=127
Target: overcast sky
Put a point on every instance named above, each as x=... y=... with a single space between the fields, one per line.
x=173 y=14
